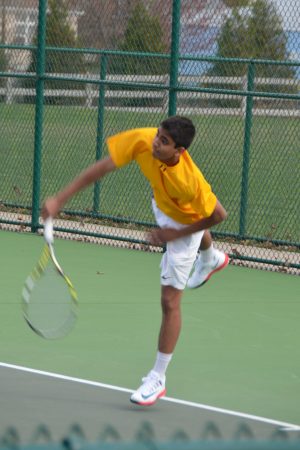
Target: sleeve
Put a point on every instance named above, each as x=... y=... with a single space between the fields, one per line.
x=124 y=147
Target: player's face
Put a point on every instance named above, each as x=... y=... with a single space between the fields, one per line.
x=164 y=149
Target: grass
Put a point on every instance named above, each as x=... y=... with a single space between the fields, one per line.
x=69 y=145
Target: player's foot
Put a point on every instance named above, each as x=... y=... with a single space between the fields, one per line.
x=203 y=271
x=152 y=389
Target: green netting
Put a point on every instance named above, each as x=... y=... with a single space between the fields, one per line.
x=73 y=72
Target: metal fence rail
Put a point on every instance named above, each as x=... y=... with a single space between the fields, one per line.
x=90 y=94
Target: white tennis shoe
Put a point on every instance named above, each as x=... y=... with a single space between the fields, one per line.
x=152 y=389
x=203 y=271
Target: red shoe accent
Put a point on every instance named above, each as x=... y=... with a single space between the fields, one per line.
x=225 y=263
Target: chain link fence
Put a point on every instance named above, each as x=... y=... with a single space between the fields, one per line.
x=211 y=437
x=73 y=72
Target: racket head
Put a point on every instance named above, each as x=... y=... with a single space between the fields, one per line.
x=49 y=300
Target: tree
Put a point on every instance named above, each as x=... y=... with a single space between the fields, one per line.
x=143 y=34
x=236 y=3
x=59 y=34
x=257 y=35
x=102 y=24
x=253 y=33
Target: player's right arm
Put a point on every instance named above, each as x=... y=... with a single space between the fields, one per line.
x=93 y=173
x=122 y=147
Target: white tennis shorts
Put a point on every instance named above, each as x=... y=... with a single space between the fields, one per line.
x=177 y=262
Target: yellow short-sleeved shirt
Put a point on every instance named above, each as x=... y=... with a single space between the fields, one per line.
x=180 y=191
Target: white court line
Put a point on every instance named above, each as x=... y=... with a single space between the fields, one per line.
x=283 y=425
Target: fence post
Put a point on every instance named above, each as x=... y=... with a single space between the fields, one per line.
x=39 y=108
x=100 y=127
x=246 y=151
x=174 y=57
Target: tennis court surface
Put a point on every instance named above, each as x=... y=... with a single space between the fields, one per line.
x=237 y=360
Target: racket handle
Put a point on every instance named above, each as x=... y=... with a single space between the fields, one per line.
x=48 y=230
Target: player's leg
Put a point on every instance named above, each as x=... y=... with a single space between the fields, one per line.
x=154 y=384
x=176 y=265
x=209 y=261
x=173 y=277
x=206 y=241
x=171 y=319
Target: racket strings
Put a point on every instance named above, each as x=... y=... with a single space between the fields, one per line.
x=49 y=299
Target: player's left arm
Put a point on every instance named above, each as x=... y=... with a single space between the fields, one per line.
x=161 y=235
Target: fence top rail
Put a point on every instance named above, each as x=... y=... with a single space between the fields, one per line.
x=164 y=87
x=189 y=57
x=19 y=92
x=162 y=78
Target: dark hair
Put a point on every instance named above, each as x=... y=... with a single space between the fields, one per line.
x=181 y=130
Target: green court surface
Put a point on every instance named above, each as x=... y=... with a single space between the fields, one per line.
x=238 y=353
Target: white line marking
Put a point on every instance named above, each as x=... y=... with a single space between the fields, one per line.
x=65 y=377
x=285 y=426
x=290 y=429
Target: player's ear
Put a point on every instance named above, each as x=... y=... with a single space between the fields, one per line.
x=180 y=150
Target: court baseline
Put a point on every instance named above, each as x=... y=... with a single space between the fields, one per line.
x=283 y=425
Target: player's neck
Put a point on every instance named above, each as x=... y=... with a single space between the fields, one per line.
x=172 y=161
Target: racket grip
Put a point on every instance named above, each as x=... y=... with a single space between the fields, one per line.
x=48 y=230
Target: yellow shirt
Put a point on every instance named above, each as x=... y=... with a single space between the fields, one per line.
x=180 y=191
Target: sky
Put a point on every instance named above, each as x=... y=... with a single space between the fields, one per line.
x=290 y=12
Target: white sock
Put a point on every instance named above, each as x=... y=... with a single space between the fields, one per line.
x=162 y=362
x=208 y=254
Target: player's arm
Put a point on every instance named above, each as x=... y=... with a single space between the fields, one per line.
x=93 y=173
x=158 y=236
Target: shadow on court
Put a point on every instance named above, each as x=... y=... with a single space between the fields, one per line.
x=29 y=400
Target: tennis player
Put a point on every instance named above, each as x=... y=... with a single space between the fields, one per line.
x=184 y=206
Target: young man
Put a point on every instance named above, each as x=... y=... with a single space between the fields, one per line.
x=184 y=207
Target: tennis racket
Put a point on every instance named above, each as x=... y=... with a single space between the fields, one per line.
x=49 y=299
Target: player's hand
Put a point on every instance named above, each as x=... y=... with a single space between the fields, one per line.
x=161 y=235
x=50 y=208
